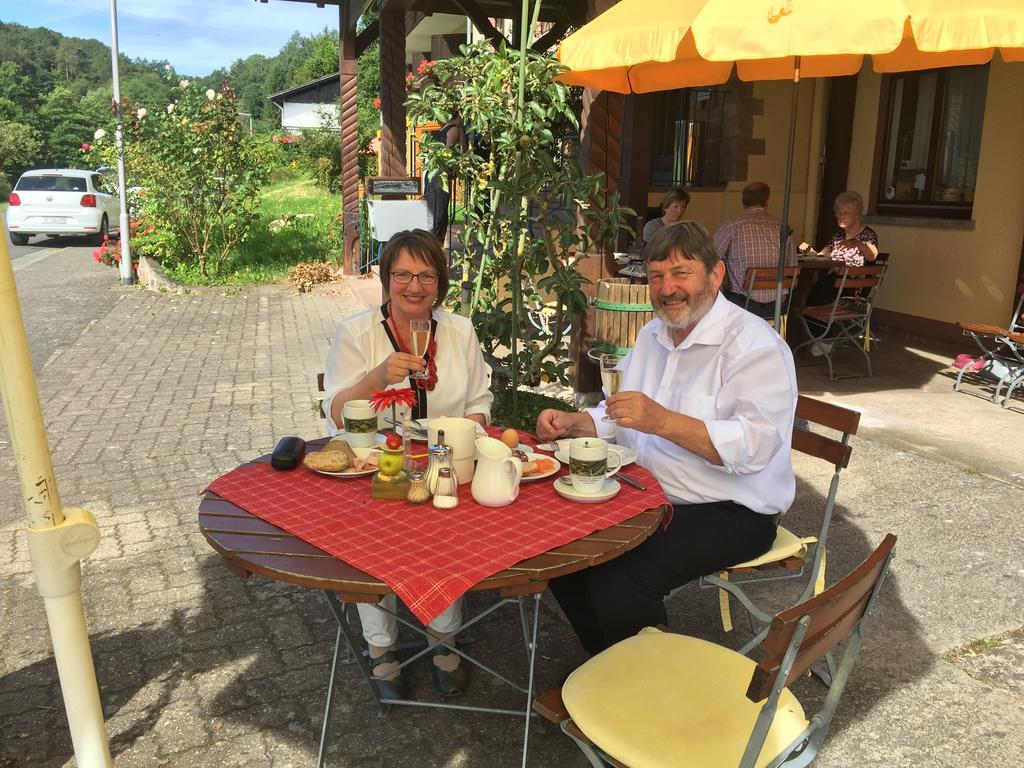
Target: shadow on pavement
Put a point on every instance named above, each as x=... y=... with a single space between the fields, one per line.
x=251 y=660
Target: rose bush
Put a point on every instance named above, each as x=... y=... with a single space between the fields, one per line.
x=198 y=174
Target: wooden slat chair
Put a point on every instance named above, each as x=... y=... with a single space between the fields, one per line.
x=792 y=556
x=847 y=319
x=320 y=388
x=764 y=278
x=1002 y=354
x=664 y=700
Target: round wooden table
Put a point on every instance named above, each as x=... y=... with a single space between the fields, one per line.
x=250 y=545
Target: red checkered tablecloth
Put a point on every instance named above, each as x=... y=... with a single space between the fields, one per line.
x=429 y=557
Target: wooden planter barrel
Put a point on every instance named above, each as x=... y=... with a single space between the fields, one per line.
x=622 y=310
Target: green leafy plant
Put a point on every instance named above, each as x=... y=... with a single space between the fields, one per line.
x=198 y=175
x=532 y=214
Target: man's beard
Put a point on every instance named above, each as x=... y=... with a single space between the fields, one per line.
x=686 y=314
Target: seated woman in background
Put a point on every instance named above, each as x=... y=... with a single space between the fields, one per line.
x=854 y=244
x=673 y=207
x=371 y=351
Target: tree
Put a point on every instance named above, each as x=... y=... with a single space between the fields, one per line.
x=321 y=58
x=19 y=147
x=17 y=101
x=66 y=129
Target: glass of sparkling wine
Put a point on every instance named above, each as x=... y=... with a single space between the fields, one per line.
x=611 y=377
x=419 y=340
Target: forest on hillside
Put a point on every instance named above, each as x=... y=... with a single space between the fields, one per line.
x=55 y=91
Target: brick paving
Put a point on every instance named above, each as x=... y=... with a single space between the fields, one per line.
x=163 y=393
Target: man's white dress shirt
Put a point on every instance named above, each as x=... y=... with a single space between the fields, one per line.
x=734 y=372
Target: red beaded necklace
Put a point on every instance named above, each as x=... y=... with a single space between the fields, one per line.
x=431 y=381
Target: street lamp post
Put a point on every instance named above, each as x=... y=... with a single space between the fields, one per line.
x=126 y=250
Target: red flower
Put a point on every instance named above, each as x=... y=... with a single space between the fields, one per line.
x=425 y=66
x=389 y=398
x=376 y=103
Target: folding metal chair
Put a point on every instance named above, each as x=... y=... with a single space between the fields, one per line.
x=764 y=278
x=1002 y=354
x=792 y=556
x=846 y=320
x=663 y=700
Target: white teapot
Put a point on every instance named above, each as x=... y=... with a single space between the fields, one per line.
x=498 y=472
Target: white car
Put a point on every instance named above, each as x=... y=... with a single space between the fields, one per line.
x=62 y=201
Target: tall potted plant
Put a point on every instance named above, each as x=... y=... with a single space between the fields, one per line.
x=531 y=213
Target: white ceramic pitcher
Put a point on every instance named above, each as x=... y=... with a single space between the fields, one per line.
x=498 y=472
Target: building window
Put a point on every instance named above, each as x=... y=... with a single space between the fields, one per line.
x=932 y=142
x=687 y=138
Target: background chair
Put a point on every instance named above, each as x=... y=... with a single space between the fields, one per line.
x=662 y=700
x=847 y=319
x=1002 y=353
x=792 y=556
x=764 y=278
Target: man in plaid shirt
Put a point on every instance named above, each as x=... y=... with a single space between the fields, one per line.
x=752 y=240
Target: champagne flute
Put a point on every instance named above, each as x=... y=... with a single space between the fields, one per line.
x=611 y=377
x=419 y=340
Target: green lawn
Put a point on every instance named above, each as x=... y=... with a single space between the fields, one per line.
x=266 y=256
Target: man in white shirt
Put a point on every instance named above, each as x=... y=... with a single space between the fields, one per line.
x=707 y=402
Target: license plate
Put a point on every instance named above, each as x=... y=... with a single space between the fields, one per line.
x=54 y=219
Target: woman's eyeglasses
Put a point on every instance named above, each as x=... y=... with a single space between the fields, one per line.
x=425 y=278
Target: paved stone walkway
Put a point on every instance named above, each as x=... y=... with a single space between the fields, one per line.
x=163 y=393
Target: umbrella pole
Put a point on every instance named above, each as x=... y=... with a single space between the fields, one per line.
x=57 y=538
x=784 y=228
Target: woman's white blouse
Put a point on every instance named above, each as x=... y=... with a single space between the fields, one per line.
x=361 y=343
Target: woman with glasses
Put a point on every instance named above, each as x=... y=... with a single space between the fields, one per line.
x=374 y=350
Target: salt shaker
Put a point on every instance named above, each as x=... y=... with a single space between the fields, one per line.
x=446 y=493
x=440 y=458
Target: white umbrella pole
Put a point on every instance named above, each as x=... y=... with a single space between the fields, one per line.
x=57 y=538
x=784 y=228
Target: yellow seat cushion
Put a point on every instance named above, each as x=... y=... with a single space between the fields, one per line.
x=661 y=700
x=786 y=544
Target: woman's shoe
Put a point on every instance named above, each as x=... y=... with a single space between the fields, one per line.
x=448 y=682
x=388 y=686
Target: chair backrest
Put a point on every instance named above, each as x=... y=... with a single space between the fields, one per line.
x=866 y=279
x=882 y=258
x=835 y=451
x=320 y=388
x=801 y=636
x=764 y=278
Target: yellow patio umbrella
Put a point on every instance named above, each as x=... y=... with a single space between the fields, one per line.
x=639 y=47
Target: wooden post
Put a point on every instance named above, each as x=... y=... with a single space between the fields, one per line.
x=392 y=91
x=349 y=136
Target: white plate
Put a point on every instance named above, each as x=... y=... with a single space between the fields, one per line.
x=555 y=466
x=608 y=491
x=361 y=453
x=628 y=454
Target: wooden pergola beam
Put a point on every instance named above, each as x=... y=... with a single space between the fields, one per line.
x=549 y=38
x=480 y=21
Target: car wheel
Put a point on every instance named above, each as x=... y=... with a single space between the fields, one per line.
x=19 y=239
x=103 y=231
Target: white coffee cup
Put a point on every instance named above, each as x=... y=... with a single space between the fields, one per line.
x=460 y=434
x=360 y=423
x=590 y=463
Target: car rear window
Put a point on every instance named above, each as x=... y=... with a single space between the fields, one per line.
x=51 y=184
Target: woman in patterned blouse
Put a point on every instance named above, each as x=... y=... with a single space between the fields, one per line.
x=855 y=243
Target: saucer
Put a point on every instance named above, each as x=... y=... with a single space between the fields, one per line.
x=608 y=491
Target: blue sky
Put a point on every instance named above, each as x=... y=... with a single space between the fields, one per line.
x=196 y=36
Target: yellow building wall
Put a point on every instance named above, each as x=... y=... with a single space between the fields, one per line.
x=956 y=274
